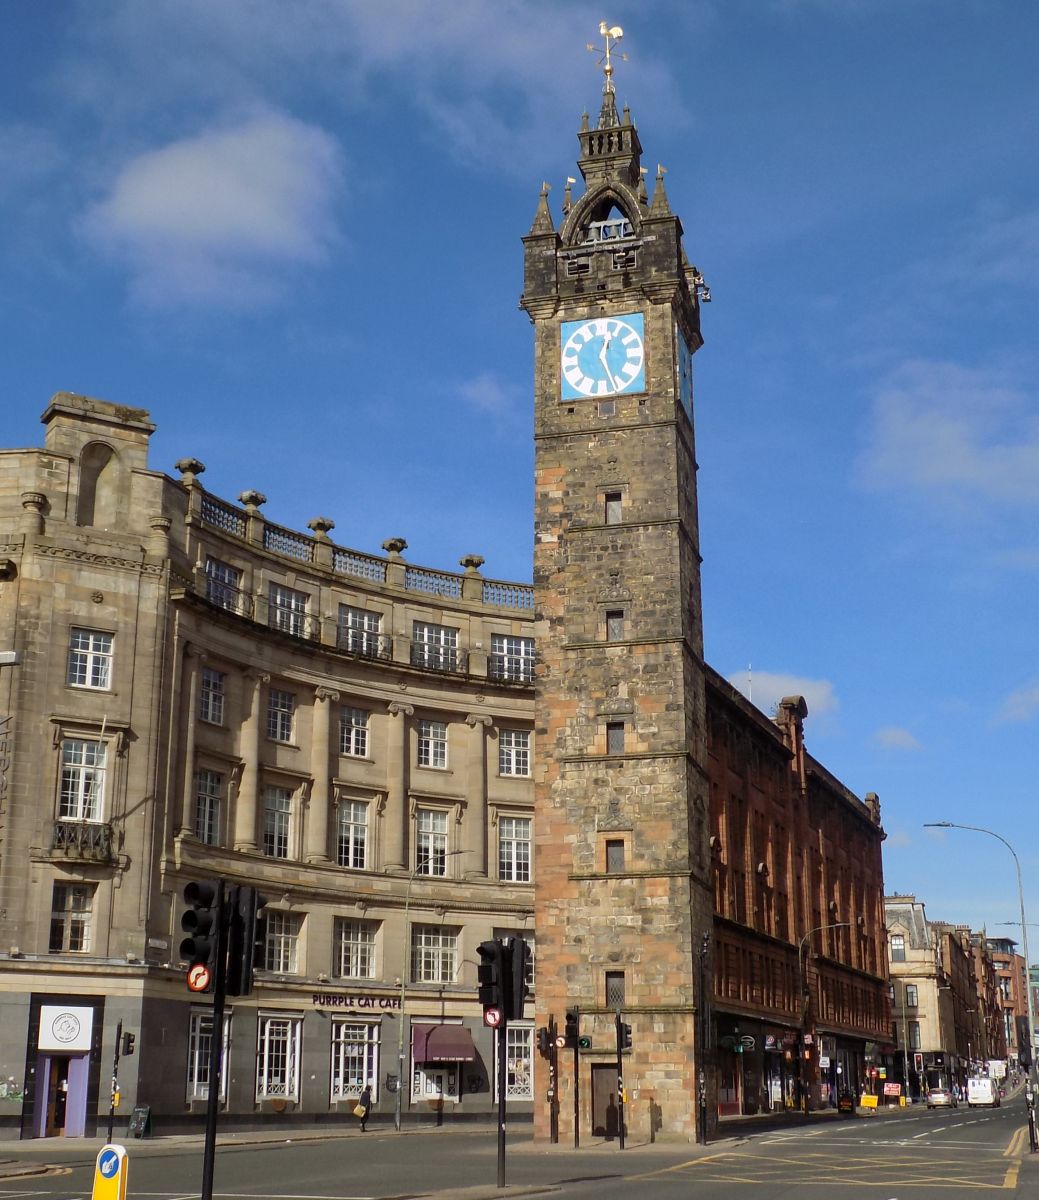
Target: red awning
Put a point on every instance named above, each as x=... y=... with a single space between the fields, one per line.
x=442 y=1043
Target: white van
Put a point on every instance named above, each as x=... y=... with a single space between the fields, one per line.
x=982 y=1090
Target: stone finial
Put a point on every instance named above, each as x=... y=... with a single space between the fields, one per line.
x=661 y=206
x=472 y=563
x=394 y=545
x=643 y=194
x=189 y=468
x=543 y=217
x=585 y=122
x=321 y=526
x=252 y=500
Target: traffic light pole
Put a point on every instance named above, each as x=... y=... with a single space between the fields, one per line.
x=503 y=1049
x=553 y=1074
x=620 y=1079
x=115 y=1079
x=216 y=1043
x=577 y=1095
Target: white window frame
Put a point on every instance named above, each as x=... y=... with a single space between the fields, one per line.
x=90 y=659
x=432 y=830
x=72 y=907
x=281 y=951
x=514 y=752
x=223 y=584
x=278 y=822
x=432 y=744
x=519 y=1063
x=354 y=1041
x=209 y=806
x=435 y=1081
x=281 y=715
x=898 y=952
x=434 y=646
x=513 y=657
x=287 y=609
x=515 y=848
x=434 y=954
x=212 y=695
x=200 y=1035
x=353 y=948
x=352 y=834
x=81 y=787
x=359 y=630
x=353 y=732
x=278 y=1043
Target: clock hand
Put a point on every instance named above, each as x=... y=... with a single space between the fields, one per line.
x=605 y=363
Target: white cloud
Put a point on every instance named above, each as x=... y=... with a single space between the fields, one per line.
x=1022 y=704
x=218 y=217
x=765 y=689
x=893 y=738
x=955 y=431
x=486 y=393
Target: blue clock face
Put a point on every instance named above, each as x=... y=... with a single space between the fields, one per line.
x=685 y=373
x=603 y=356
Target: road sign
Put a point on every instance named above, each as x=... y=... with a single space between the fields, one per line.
x=110 y=1174
x=492 y=1017
x=560 y=1041
x=199 y=977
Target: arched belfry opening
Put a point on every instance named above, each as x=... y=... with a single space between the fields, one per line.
x=99 y=491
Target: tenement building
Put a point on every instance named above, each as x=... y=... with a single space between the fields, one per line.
x=408 y=761
x=189 y=691
x=700 y=881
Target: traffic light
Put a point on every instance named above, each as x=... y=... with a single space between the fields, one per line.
x=201 y=922
x=918 y=1061
x=623 y=1035
x=128 y=1043
x=1024 y=1042
x=246 y=936
x=544 y=1043
x=490 y=975
x=516 y=963
x=570 y=1032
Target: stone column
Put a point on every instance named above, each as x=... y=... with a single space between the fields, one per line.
x=396 y=762
x=317 y=828
x=189 y=688
x=475 y=841
x=245 y=810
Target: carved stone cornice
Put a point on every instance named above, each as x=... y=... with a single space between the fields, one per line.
x=99 y=560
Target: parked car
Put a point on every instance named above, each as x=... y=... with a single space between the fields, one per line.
x=940 y=1097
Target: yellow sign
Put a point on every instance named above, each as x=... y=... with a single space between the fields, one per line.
x=867 y=1102
x=110 y=1174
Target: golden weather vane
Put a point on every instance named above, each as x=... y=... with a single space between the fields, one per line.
x=611 y=34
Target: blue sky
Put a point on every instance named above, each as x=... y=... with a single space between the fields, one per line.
x=292 y=233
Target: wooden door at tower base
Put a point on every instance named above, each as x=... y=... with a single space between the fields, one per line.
x=605 y=1109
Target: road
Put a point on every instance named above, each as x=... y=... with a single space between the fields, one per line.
x=918 y=1154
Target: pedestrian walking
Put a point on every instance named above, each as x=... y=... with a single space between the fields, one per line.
x=364 y=1107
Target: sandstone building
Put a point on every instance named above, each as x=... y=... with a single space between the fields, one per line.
x=408 y=761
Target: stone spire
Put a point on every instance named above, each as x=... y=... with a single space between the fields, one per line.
x=543 y=217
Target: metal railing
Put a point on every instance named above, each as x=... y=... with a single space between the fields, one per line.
x=296 y=624
x=508 y=595
x=433 y=583
x=288 y=542
x=84 y=839
x=510 y=668
x=226 y=595
x=364 y=643
x=364 y=566
x=438 y=658
x=223 y=516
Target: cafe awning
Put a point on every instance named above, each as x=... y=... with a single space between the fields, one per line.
x=442 y=1043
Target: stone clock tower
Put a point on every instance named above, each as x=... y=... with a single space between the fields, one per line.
x=622 y=887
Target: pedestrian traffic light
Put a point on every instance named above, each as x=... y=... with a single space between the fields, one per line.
x=623 y=1035
x=490 y=975
x=516 y=961
x=544 y=1042
x=570 y=1032
x=201 y=922
x=246 y=935
x=918 y=1061
x=128 y=1042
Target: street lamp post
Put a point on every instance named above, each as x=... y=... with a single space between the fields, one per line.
x=422 y=862
x=1024 y=925
x=802 y=977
